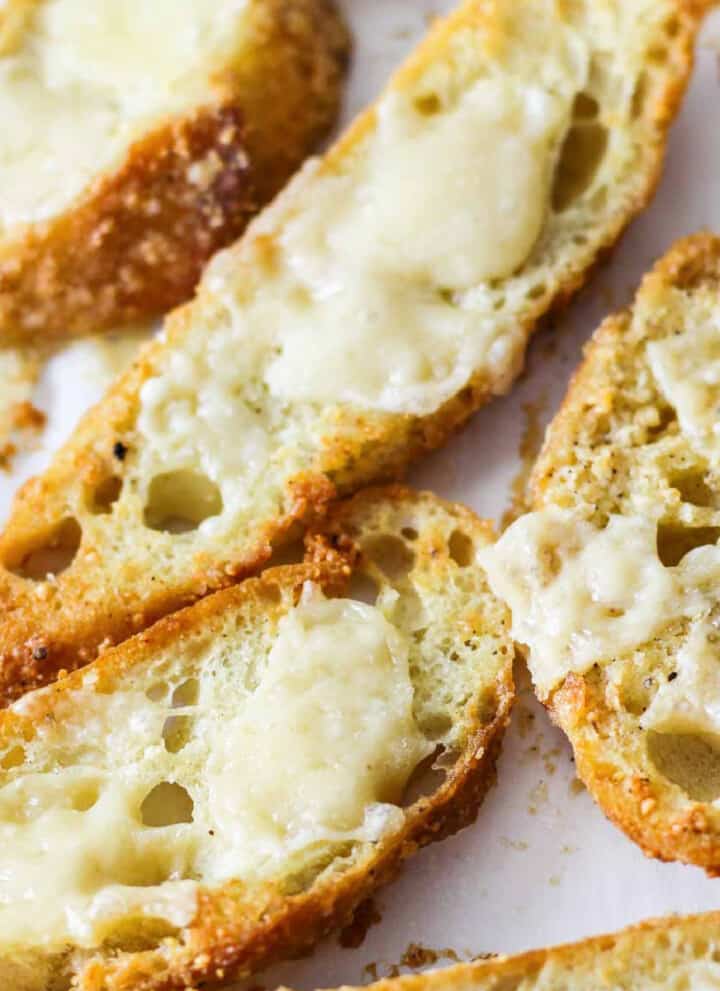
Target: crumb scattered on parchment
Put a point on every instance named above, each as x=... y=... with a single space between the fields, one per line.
x=365 y=915
x=538 y=797
x=525 y=718
x=20 y=421
x=568 y=848
x=576 y=787
x=509 y=844
x=554 y=881
x=417 y=957
x=549 y=759
x=98 y=359
x=528 y=449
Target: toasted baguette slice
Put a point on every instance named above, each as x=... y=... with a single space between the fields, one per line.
x=659 y=955
x=139 y=138
x=385 y=295
x=613 y=581
x=220 y=791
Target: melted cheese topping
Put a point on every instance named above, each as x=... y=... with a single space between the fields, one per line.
x=329 y=739
x=79 y=82
x=687 y=368
x=317 y=752
x=376 y=292
x=691 y=702
x=440 y=205
x=580 y=596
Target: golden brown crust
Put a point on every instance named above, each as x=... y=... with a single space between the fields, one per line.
x=619 y=959
x=237 y=932
x=91 y=604
x=653 y=812
x=134 y=244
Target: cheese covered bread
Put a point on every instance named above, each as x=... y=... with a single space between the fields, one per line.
x=613 y=579
x=384 y=296
x=138 y=138
x=673 y=954
x=225 y=788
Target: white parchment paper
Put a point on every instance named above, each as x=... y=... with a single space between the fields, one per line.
x=541 y=865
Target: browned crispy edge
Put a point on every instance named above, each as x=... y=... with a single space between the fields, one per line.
x=615 y=955
x=39 y=638
x=577 y=704
x=134 y=244
x=231 y=935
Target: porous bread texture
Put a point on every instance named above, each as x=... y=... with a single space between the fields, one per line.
x=131 y=243
x=617 y=447
x=672 y=954
x=190 y=435
x=414 y=553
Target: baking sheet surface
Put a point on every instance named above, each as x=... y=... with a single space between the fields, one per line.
x=541 y=865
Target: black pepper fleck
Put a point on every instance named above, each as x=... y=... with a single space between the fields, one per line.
x=672 y=676
x=119 y=450
x=40 y=653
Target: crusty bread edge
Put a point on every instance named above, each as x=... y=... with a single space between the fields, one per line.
x=690 y=262
x=133 y=245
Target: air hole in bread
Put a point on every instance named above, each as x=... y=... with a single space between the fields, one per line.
x=424 y=780
x=665 y=418
x=672 y=28
x=51 y=556
x=409 y=533
x=186 y=693
x=179 y=501
x=106 y=495
x=436 y=725
x=85 y=796
x=12 y=758
x=428 y=104
x=363 y=589
x=176 y=733
x=536 y=291
x=658 y=55
x=391 y=554
x=689 y=760
x=157 y=691
x=167 y=805
x=461 y=548
x=585 y=107
x=582 y=153
x=694 y=489
x=674 y=541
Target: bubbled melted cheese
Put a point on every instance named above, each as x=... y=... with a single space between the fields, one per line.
x=690 y=703
x=686 y=366
x=316 y=753
x=79 y=81
x=581 y=595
